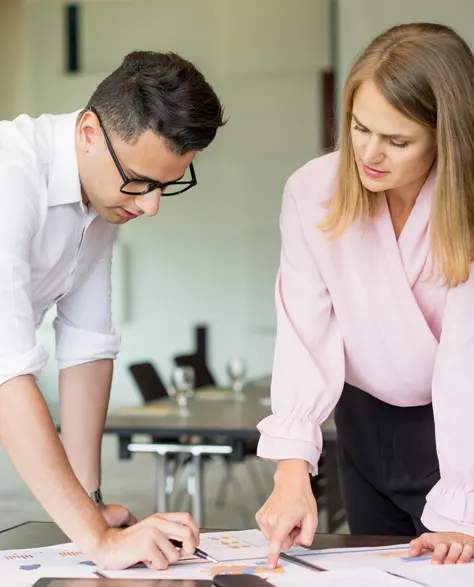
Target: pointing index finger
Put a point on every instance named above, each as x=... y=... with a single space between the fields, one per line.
x=279 y=537
x=274 y=553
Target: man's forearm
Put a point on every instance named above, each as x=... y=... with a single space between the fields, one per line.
x=28 y=434
x=84 y=393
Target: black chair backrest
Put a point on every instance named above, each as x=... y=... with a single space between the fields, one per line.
x=202 y=374
x=200 y=336
x=148 y=381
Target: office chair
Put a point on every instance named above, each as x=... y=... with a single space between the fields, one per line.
x=148 y=381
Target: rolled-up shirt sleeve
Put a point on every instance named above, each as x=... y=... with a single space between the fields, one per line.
x=450 y=504
x=84 y=328
x=308 y=370
x=20 y=354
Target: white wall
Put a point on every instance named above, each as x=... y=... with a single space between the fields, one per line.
x=211 y=255
x=13 y=58
x=360 y=21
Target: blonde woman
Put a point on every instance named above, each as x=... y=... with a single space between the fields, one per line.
x=375 y=305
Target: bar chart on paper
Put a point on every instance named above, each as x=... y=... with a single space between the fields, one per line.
x=23 y=567
x=62 y=555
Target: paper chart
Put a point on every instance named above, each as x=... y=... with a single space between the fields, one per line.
x=286 y=573
x=238 y=546
x=391 y=558
x=32 y=559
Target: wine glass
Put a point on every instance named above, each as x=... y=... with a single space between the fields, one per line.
x=182 y=387
x=237 y=372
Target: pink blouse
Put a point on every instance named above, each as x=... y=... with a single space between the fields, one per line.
x=361 y=309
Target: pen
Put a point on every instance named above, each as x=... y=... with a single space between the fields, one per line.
x=301 y=562
x=198 y=552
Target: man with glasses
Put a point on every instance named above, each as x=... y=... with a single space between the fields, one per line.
x=66 y=182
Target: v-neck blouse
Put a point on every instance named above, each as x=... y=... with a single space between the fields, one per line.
x=366 y=309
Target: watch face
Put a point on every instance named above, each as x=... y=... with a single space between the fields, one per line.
x=96 y=496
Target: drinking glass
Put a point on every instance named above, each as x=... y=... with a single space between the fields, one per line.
x=182 y=387
x=237 y=373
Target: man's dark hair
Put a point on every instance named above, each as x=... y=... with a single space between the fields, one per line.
x=162 y=92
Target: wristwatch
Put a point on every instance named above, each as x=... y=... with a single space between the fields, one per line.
x=96 y=496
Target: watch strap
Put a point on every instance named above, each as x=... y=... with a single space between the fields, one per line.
x=96 y=496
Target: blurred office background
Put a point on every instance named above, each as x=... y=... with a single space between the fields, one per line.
x=210 y=257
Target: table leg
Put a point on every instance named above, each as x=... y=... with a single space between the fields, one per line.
x=197 y=493
x=161 y=497
x=124 y=453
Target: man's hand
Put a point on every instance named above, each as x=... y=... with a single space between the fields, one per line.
x=290 y=516
x=117 y=516
x=447 y=547
x=148 y=542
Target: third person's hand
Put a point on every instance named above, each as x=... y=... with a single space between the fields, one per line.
x=447 y=547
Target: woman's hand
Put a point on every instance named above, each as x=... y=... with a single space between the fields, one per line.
x=447 y=547
x=290 y=516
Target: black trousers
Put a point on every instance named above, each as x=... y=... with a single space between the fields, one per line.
x=387 y=463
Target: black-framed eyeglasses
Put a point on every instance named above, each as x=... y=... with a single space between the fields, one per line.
x=140 y=187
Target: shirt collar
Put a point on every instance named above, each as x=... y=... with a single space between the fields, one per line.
x=64 y=186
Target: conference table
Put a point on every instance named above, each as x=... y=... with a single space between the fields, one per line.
x=213 y=413
x=37 y=534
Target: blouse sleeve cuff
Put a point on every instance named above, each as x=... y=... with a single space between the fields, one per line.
x=449 y=509
x=290 y=438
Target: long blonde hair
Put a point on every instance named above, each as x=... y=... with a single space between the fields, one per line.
x=426 y=72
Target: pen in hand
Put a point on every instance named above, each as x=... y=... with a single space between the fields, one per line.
x=198 y=552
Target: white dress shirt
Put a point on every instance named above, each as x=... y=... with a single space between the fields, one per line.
x=53 y=250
